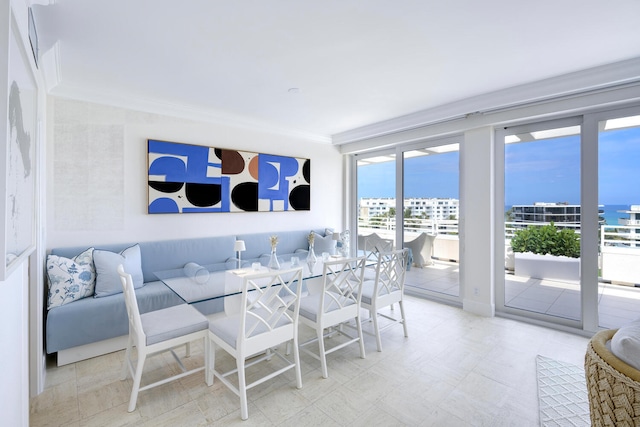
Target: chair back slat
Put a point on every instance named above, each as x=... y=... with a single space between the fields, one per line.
x=342 y=283
x=131 y=302
x=391 y=272
x=269 y=301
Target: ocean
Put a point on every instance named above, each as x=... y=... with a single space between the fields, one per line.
x=611 y=213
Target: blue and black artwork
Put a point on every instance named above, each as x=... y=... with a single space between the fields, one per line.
x=187 y=178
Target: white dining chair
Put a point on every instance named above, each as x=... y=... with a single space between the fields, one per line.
x=385 y=290
x=157 y=332
x=337 y=303
x=268 y=317
x=372 y=245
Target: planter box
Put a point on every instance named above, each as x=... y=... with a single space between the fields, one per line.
x=537 y=266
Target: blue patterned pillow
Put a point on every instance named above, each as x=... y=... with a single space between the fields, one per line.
x=70 y=279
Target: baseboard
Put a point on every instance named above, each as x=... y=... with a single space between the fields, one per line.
x=479 y=308
x=82 y=352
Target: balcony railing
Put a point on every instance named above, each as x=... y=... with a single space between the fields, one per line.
x=412 y=225
x=619 y=247
x=625 y=236
x=610 y=235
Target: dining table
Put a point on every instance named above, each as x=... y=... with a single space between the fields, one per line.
x=208 y=287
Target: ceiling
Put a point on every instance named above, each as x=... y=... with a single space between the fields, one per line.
x=320 y=68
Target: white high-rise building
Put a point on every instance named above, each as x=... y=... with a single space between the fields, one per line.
x=432 y=208
x=547 y=212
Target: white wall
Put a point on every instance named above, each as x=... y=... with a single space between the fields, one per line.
x=14 y=348
x=97 y=177
x=477 y=248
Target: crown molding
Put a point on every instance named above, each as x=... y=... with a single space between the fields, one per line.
x=597 y=78
x=621 y=96
x=189 y=112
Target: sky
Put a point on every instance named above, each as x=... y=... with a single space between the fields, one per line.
x=426 y=176
x=538 y=171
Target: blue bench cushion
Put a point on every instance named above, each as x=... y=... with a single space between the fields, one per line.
x=91 y=320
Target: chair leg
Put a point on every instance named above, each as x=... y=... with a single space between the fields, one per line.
x=296 y=359
x=361 y=340
x=188 y=349
x=404 y=319
x=136 y=382
x=127 y=360
x=376 y=330
x=210 y=365
x=323 y=355
x=242 y=388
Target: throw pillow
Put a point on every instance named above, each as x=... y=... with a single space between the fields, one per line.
x=107 y=277
x=324 y=244
x=70 y=279
x=625 y=344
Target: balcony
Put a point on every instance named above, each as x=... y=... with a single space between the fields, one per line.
x=618 y=298
x=617 y=304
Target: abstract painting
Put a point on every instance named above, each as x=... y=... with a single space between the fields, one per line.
x=186 y=178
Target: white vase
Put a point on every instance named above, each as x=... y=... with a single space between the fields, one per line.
x=311 y=258
x=274 y=264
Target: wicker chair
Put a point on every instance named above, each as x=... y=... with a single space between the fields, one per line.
x=613 y=386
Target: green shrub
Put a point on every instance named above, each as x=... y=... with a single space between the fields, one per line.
x=547 y=239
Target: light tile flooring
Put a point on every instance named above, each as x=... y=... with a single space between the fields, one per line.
x=455 y=369
x=617 y=304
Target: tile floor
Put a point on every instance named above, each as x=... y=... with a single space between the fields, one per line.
x=455 y=369
x=617 y=304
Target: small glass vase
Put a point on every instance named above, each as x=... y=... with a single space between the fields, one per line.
x=274 y=264
x=344 y=249
x=311 y=258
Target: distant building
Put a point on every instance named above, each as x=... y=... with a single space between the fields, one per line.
x=547 y=212
x=558 y=213
x=634 y=216
x=432 y=208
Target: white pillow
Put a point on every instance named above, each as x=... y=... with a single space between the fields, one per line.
x=70 y=279
x=107 y=277
x=324 y=244
x=625 y=344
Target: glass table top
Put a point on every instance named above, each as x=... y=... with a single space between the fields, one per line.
x=196 y=283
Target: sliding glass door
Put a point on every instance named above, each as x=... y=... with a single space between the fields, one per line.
x=619 y=228
x=542 y=218
x=431 y=211
x=409 y=197
x=570 y=192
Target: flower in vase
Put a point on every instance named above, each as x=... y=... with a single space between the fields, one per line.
x=274 y=241
x=311 y=237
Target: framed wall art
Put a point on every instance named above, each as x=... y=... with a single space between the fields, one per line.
x=20 y=97
x=186 y=178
